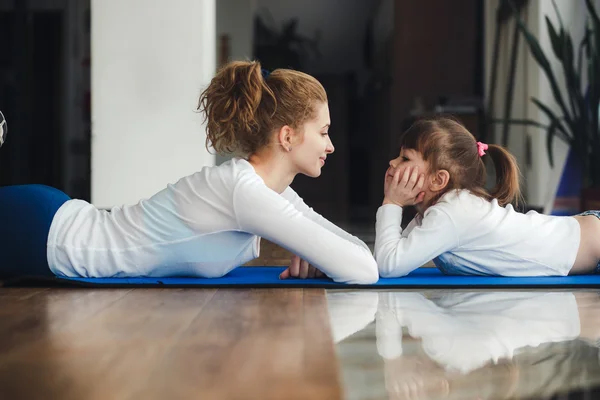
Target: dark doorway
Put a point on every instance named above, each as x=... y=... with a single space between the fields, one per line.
x=31 y=98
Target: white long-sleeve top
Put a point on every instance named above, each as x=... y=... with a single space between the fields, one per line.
x=204 y=225
x=464 y=331
x=467 y=235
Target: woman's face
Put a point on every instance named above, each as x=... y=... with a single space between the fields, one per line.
x=315 y=144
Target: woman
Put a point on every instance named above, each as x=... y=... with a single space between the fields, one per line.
x=208 y=223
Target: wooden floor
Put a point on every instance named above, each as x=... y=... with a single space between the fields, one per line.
x=271 y=255
x=166 y=344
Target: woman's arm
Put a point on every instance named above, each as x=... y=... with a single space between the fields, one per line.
x=263 y=212
x=397 y=255
x=301 y=206
x=350 y=311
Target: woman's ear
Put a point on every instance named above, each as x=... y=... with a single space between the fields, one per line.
x=286 y=138
x=439 y=180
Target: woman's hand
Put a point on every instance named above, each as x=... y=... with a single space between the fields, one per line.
x=300 y=268
x=405 y=190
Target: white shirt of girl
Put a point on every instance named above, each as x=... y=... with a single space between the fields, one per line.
x=467 y=235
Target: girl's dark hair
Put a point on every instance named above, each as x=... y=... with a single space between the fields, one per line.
x=446 y=144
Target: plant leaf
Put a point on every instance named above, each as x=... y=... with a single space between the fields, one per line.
x=560 y=22
x=572 y=79
x=542 y=60
x=595 y=21
x=528 y=122
x=593 y=65
x=550 y=140
x=583 y=44
x=555 y=40
x=288 y=33
x=553 y=118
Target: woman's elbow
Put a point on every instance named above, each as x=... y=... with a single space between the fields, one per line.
x=366 y=273
x=371 y=276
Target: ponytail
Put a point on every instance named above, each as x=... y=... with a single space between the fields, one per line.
x=243 y=106
x=507 y=189
x=232 y=105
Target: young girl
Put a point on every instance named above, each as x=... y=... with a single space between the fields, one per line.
x=465 y=229
x=208 y=223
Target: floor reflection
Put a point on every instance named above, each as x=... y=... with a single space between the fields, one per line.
x=467 y=345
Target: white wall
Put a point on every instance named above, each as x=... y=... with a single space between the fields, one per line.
x=541 y=180
x=150 y=62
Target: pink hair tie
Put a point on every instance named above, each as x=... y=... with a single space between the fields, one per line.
x=481 y=148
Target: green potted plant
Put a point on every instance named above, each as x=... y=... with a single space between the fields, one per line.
x=577 y=120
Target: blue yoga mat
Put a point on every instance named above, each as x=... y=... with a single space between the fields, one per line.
x=258 y=277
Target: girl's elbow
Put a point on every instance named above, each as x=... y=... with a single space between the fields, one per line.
x=387 y=270
x=384 y=268
x=388 y=266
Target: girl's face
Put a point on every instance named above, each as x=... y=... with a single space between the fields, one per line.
x=408 y=158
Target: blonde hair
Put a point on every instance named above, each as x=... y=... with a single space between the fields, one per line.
x=242 y=108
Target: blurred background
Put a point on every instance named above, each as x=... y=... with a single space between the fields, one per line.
x=100 y=95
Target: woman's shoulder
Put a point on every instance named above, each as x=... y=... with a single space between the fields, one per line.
x=229 y=172
x=214 y=182
x=241 y=172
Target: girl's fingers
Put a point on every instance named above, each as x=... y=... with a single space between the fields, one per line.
x=405 y=177
x=396 y=179
x=414 y=177
x=420 y=183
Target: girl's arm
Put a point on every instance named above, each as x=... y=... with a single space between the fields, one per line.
x=263 y=212
x=397 y=255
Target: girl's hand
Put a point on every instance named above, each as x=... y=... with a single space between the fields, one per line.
x=300 y=268
x=405 y=190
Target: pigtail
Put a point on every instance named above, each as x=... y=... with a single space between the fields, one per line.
x=508 y=188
